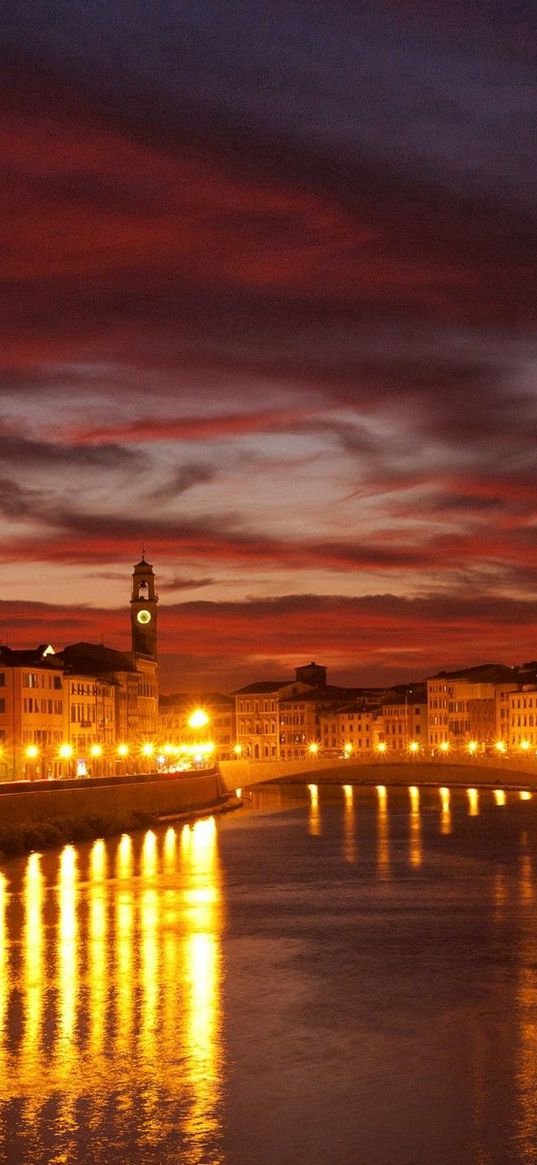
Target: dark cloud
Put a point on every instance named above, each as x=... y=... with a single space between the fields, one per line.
x=18 y=451
x=301 y=241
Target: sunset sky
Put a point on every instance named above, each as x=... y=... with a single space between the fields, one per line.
x=268 y=305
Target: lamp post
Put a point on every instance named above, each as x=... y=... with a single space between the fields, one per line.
x=31 y=753
x=199 y=719
x=96 y=754
x=65 y=754
x=123 y=752
x=147 y=751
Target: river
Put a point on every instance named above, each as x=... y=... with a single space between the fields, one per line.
x=329 y=976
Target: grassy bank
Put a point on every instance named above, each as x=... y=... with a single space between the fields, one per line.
x=23 y=838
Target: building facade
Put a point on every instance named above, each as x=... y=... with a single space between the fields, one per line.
x=80 y=710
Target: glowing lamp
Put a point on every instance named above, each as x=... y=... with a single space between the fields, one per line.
x=198 y=719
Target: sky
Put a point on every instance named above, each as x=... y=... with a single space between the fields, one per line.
x=267 y=290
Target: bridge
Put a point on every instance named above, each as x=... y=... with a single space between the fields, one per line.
x=516 y=771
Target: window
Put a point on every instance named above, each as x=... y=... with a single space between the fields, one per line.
x=2 y=679
x=2 y=706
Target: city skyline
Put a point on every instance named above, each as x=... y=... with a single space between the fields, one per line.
x=268 y=313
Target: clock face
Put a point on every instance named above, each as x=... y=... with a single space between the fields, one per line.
x=144 y=616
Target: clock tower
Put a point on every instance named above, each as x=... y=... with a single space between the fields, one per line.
x=144 y=610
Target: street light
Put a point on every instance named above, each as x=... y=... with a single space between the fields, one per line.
x=31 y=753
x=65 y=753
x=148 y=748
x=198 y=719
x=96 y=752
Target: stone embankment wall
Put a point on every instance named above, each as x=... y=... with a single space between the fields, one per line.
x=118 y=797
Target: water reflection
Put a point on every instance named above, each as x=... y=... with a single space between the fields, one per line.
x=500 y=797
x=349 y=830
x=383 y=840
x=112 y=969
x=315 y=812
x=445 y=804
x=416 y=855
x=124 y=983
x=4 y=973
x=32 y=967
x=120 y=996
x=98 y=947
x=203 y=974
x=526 y=999
x=473 y=802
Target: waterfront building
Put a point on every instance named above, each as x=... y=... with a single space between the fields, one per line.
x=176 y=712
x=301 y=718
x=350 y=728
x=405 y=721
x=522 y=719
x=31 y=713
x=80 y=710
x=258 y=718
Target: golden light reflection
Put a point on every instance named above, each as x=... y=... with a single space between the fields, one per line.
x=67 y=956
x=4 y=973
x=416 y=855
x=150 y=981
x=445 y=804
x=526 y=1005
x=525 y=879
x=315 y=827
x=473 y=802
x=32 y=967
x=98 y=947
x=124 y=945
x=203 y=974
x=349 y=831
x=524 y=795
x=149 y=914
x=500 y=797
x=169 y=856
x=500 y=891
x=383 y=840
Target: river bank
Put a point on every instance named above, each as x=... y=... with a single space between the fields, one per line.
x=48 y=814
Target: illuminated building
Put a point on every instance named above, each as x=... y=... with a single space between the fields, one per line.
x=31 y=712
x=351 y=728
x=258 y=719
x=176 y=711
x=59 y=711
x=522 y=730
x=405 y=720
